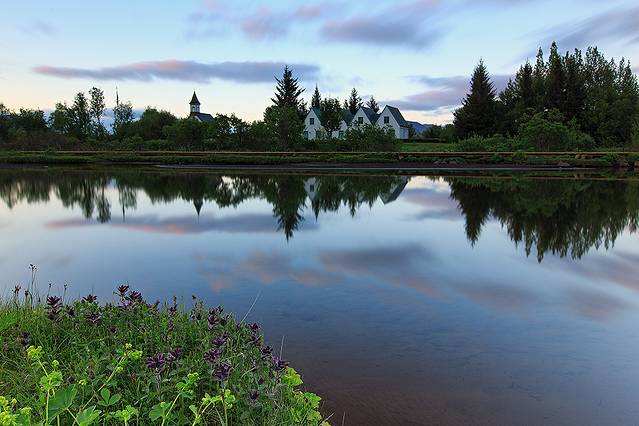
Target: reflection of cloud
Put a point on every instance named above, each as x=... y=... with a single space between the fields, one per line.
x=614 y=266
x=376 y=259
x=499 y=296
x=241 y=72
x=596 y=306
x=436 y=204
x=242 y=223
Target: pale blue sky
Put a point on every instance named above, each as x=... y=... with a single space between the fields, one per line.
x=408 y=53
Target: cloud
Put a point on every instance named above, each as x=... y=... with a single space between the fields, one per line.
x=40 y=28
x=444 y=92
x=617 y=25
x=408 y=24
x=240 y=72
x=182 y=225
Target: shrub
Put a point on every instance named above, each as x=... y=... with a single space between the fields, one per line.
x=371 y=138
x=85 y=363
x=546 y=132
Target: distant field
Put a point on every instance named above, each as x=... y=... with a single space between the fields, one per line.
x=425 y=147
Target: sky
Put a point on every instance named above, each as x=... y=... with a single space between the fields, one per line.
x=413 y=54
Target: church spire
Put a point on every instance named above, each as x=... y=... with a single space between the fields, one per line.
x=194 y=104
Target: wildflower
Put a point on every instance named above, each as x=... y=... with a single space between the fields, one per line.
x=213 y=319
x=255 y=327
x=90 y=298
x=212 y=355
x=174 y=354
x=70 y=311
x=123 y=289
x=254 y=395
x=222 y=372
x=279 y=364
x=169 y=326
x=220 y=341
x=53 y=301
x=94 y=318
x=16 y=290
x=267 y=351
x=156 y=362
x=24 y=339
x=113 y=329
x=135 y=296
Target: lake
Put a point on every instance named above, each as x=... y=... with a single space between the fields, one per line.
x=483 y=298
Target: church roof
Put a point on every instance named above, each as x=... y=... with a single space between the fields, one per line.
x=205 y=118
x=194 y=100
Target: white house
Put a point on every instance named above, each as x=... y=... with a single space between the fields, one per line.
x=195 y=111
x=314 y=129
x=390 y=117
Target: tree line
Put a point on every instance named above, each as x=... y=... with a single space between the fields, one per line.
x=573 y=101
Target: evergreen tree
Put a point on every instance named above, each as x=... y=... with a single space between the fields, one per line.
x=288 y=92
x=555 y=81
x=477 y=116
x=372 y=104
x=316 y=102
x=525 y=87
x=96 y=109
x=575 y=91
x=80 y=117
x=354 y=101
x=331 y=115
x=539 y=81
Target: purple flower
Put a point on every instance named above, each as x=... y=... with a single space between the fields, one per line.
x=172 y=310
x=174 y=354
x=267 y=351
x=220 y=341
x=254 y=395
x=135 y=296
x=123 y=289
x=156 y=362
x=94 y=318
x=222 y=372
x=255 y=327
x=25 y=339
x=70 y=311
x=212 y=320
x=212 y=355
x=53 y=301
x=90 y=298
x=16 y=290
x=279 y=364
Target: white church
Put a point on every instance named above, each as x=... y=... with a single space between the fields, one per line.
x=390 y=117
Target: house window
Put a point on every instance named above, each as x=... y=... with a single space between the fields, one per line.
x=360 y=120
x=386 y=120
x=311 y=121
x=341 y=133
x=305 y=135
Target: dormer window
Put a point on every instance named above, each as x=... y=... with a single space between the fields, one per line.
x=360 y=120
x=386 y=120
x=311 y=121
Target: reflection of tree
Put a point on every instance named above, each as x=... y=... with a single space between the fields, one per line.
x=287 y=194
x=563 y=217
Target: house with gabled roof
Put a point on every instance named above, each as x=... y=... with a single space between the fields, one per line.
x=365 y=115
x=393 y=118
x=314 y=129
x=195 y=114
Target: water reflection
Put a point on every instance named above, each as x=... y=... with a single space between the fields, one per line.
x=565 y=217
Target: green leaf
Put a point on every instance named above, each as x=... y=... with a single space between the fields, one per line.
x=105 y=394
x=159 y=411
x=88 y=416
x=61 y=401
x=8 y=320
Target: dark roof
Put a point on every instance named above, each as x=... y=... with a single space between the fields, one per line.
x=194 y=100
x=372 y=117
x=347 y=116
x=398 y=116
x=318 y=113
x=207 y=118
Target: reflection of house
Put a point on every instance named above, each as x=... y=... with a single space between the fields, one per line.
x=195 y=111
x=311 y=188
x=395 y=191
x=390 y=117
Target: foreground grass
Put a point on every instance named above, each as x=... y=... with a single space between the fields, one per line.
x=85 y=363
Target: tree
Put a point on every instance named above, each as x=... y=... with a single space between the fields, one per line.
x=80 y=117
x=477 y=114
x=97 y=108
x=122 y=117
x=29 y=120
x=60 y=119
x=555 y=80
x=539 y=81
x=331 y=115
x=284 y=124
x=288 y=92
x=150 y=124
x=316 y=102
x=372 y=104
x=5 y=122
x=354 y=101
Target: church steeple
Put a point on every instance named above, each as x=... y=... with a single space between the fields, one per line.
x=195 y=104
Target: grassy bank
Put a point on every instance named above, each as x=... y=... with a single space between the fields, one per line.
x=443 y=159
x=132 y=362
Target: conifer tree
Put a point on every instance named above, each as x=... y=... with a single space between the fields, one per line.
x=372 y=104
x=575 y=91
x=477 y=116
x=288 y=92
x=555 y=80
x=316 y=102
x=354 y=101
x=539 y=81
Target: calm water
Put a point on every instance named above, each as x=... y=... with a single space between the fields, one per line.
x=402 y=300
